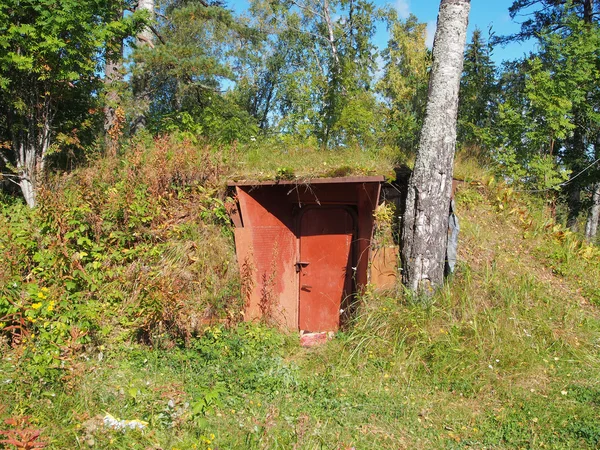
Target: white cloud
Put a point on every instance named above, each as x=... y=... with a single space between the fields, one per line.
x=430 y=33
x=403 y=8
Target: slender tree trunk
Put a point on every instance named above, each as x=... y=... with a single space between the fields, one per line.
x=113 y=76
x=574 y=205
x=579 y=147
x=591 y=228
x=112 y=123
x=146 y=36
x=141 y=94
x=425 y=221
x=588 y=11
x=575 y=156
x=31 y=148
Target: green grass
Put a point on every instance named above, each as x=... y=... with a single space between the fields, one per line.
x=505 y=356
x=269 y=162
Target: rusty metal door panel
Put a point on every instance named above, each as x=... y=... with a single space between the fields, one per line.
x=325 y=243
x=266 y=256
x=384 y=267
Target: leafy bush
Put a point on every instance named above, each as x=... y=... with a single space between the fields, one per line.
x=136 y=247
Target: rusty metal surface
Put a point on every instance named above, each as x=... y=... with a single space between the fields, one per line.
x=268 y=243
x=325 y=239
x=323 y=194
x=234 y=213
x=301 y=181
x=368 y=198
x=384 y=267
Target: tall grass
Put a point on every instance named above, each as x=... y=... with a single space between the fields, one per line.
x=504 y=356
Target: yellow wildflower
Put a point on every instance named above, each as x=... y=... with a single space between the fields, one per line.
x=36 y=305
x=41 y=295
x=51 y=306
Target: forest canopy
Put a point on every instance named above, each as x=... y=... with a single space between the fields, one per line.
x=79 y=78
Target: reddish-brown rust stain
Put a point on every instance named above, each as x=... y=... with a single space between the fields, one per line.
x=270 y=239
x=325 y=243
x=384 y=267
x=271 y=245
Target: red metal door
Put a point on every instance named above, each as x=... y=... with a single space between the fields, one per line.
x=325 y=242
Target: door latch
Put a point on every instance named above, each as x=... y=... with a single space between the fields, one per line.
x=299 y=265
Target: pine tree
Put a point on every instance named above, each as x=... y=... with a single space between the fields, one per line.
x=477 y=100
x=405 y=80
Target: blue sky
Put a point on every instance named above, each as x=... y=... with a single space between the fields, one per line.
x=484 y=13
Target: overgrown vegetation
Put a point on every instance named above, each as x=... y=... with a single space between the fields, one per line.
x=121 y=303
x=110 y=290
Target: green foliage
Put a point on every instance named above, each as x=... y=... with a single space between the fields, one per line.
x=311 y=73
x=405 y=81
x=537 y=173
x=503 y=357
x=112 y=253
x=547 y=119
x=477 y=98
x=187 y=66
x=48 y=79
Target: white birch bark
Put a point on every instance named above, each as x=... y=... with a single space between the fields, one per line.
x=331 y=36
x=31 y=154
x=142 y=97
x=146 y=36
x=591 y=227
x=425 y=221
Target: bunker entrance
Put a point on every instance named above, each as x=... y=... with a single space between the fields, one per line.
x=303 y=248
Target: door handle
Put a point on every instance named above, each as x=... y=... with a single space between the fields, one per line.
x=300 y=264
x=306 y=287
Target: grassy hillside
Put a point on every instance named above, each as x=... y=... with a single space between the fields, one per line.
x=109 y=285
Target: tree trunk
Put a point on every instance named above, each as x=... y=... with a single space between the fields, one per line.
x=574 y=206
x=425 y=221
x=591 y=228
x=30 y=166
x=31 y=149
x=113 y=76
x=588 y=11
x=112 y=120
x=142 y=97
x=28 y=191
x=146 y=36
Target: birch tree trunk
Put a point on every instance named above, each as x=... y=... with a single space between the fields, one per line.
x=30 y=148
x=112 y=123
x=591 y=228
x=146 y=35
x=142 y=97
x=425 y=221
x=113 y=77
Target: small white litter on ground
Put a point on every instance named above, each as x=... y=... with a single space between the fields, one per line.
x=119 y=424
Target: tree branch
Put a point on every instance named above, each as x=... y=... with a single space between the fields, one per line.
x=157 y=34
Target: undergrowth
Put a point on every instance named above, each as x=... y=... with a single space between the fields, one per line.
x=136 y=247
x=120 y=295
